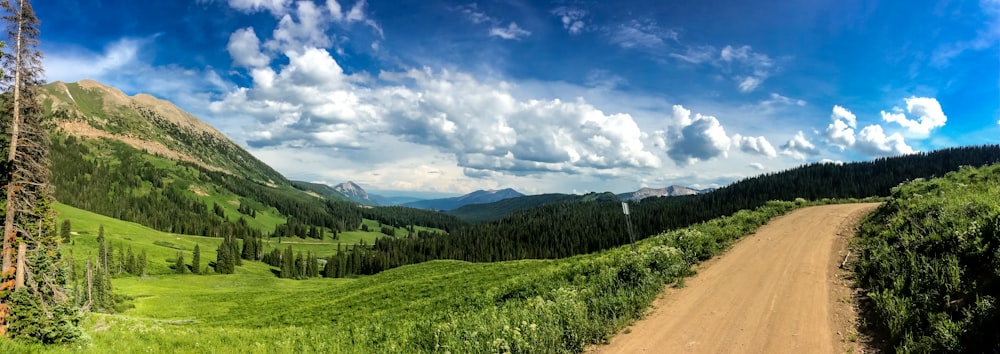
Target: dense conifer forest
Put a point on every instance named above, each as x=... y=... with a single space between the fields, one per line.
x=577 y=227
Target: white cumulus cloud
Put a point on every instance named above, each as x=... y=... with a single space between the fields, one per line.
x=873 y=141
x=244 y=48
x=927 y=111
x=755 y=145
x=840 y=132
x=799 y=147
x=696 y=139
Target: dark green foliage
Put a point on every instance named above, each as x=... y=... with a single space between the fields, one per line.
x=179 y=266
x=33 y=322
x=226 y=256
x=130 y=263
x=195 y=260
x=287 y=264
x=485 y=212
x=398 y=216
x=930 y=262
x=253 y=249
x=565 y=229
x=140 y=264
x=65 y=230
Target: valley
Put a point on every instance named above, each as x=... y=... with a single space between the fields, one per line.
x=332 y=176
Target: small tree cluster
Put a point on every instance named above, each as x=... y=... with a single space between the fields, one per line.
x=227 y=256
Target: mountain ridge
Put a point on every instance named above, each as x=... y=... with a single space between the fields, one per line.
x=476 y=197
x=669 y=191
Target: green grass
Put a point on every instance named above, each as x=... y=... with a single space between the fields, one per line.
x=86 y=226
x=440 y=306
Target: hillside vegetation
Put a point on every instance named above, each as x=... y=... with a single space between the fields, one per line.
x=595 y=221
x=536 y=306
x=930 y=262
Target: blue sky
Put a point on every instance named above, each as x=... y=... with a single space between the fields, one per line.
x=559 y=96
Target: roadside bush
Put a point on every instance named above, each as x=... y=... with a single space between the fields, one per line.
x=929 y=259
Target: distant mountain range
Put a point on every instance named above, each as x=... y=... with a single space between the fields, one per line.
x=671 y=191
x=477 y=197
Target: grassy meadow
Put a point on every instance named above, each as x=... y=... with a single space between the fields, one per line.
x=537 y=306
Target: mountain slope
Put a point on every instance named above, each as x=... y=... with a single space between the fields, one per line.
x=484 y=212
x=321 y=190
x=142 y=159
x=89 y=109
x=671 y=191
x=354 y=192
x=477 y=197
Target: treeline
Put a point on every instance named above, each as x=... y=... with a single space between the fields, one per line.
x=398 y=216
x=929 y=261
x=123 y=185
x=116 y=181
x=570 y=228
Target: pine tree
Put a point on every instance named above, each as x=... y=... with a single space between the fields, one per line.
x=65 y=231
x=130 y=263
x=102 y=248
x=196 y=260
x=120 y=265
x=179 y=266
x=140 y=266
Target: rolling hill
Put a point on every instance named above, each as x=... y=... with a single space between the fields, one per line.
x=477 y=197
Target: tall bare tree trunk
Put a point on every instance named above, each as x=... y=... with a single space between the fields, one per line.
x=10 y=235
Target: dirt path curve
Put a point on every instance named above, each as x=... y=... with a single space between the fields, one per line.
x=773 y=292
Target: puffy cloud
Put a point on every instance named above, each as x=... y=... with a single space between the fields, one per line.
x=512 y=31
x=799 y=147
x=840 y=133
x=312 y=102
x=755 y=145
x=307 y=28
x=873 y=142
x=700 y=138
x=841 y=113
x=928 y=112
x=572 y=18
x=244 y=48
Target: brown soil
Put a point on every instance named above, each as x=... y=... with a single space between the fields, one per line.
x=780 y=290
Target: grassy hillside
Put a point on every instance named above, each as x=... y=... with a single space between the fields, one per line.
x=90 y=109
x=929 y=259
x=162 y=247
x=516 y=306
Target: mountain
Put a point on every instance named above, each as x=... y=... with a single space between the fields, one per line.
x=89 y=109
x=354 y=192
x=143 y=159
x=320 y=190
x=477 y=197
x=671 y=191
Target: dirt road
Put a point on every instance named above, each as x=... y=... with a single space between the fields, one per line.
x=777 y=291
